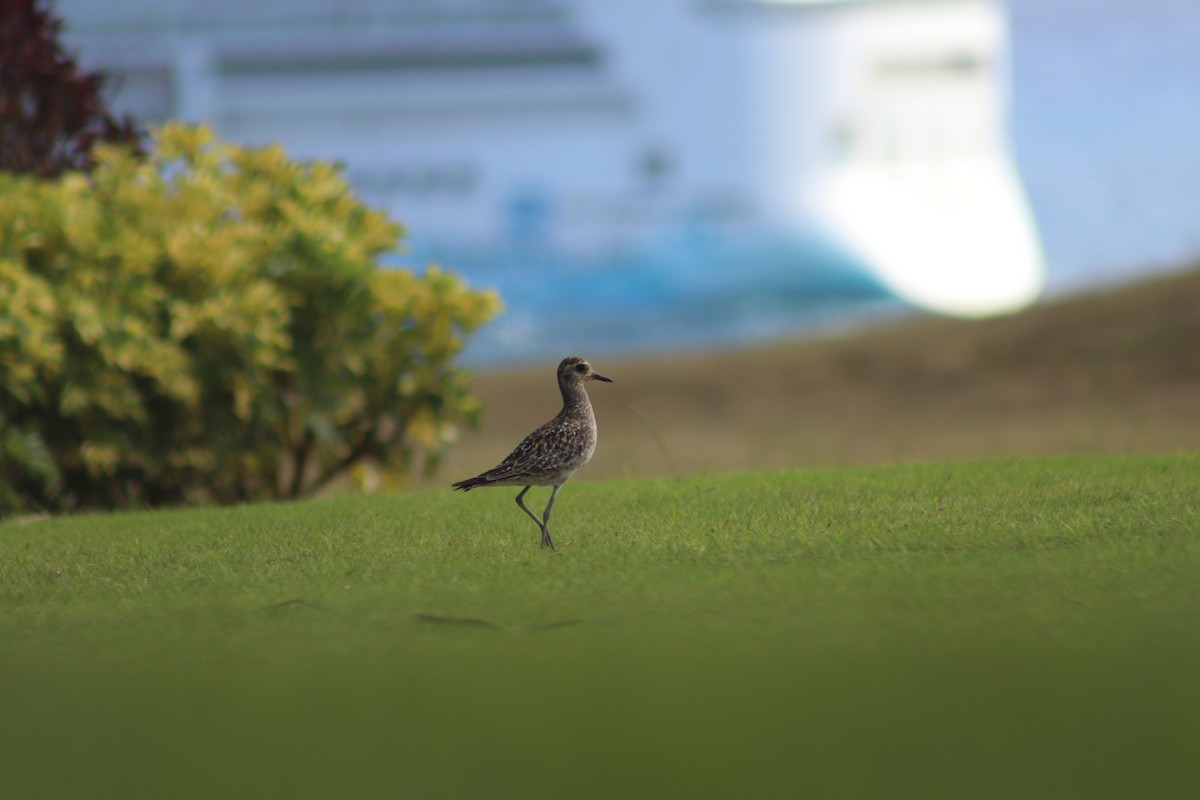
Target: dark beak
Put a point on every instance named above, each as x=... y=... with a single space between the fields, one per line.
x=596 y=376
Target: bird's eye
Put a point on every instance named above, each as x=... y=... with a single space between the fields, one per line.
x=581 y=367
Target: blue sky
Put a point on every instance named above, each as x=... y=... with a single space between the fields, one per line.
x=1106 y=121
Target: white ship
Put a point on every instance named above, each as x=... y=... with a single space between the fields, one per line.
x=700 y=148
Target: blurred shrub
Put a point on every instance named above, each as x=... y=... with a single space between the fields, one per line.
x=52 y=113
x=209 y=323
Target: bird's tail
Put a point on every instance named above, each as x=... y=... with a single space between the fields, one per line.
x=470 y=483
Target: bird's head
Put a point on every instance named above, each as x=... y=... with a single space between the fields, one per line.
x=578 y=370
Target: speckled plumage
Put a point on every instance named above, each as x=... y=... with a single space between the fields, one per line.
x=552 y=453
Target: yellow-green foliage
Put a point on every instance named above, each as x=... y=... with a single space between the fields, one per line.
x=211 y=323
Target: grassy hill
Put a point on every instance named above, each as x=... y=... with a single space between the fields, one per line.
x=992 y=627
x=1007 y=628
x=1113 y=372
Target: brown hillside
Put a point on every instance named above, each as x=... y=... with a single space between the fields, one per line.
x=1116 y=371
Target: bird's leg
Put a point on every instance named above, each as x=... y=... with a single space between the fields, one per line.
x=546 y=540
x=532 y=516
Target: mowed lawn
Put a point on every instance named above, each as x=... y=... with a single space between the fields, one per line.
x=982 y=629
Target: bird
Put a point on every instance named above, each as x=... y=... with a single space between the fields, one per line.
x=555 y=451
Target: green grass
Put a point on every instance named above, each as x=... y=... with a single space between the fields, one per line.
x=995 y=629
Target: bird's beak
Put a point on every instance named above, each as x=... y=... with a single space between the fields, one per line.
x=596 y=376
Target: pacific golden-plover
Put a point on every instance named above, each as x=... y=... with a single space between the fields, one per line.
x=551 y=454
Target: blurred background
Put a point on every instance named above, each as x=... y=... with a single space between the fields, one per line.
x=796 y=232
x=639 y=178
